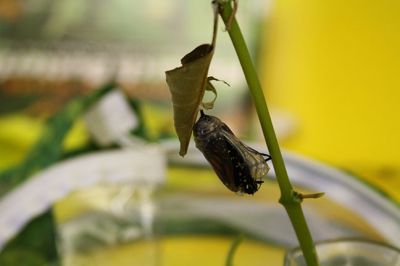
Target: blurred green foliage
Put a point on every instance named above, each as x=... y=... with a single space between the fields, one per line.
x=35 y=244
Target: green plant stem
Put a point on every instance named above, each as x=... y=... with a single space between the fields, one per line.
x=288 y=198
x=232 y=250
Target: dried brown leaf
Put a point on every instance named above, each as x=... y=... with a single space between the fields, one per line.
x=187 y=85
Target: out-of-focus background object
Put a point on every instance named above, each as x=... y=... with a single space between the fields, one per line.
x=52 y=51
x=55 y=53
x=359 y=253
x=334 y=67
x=96 y=69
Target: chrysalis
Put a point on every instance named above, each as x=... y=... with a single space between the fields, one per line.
x=238 y=166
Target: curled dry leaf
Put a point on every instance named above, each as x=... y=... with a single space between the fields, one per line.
x=210 y=87
x=187 y=85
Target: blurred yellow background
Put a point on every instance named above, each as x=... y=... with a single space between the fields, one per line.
x=334 y=66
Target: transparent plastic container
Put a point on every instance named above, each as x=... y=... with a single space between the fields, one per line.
x=349 y=252
x=107 y=217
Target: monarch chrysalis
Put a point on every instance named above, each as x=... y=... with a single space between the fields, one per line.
x=238 y=166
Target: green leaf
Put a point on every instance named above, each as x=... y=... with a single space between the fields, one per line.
x=34 y=245
x=187 y=85
x=49 y=148
x=37 y=242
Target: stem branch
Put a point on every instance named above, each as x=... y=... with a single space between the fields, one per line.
x=287 y=199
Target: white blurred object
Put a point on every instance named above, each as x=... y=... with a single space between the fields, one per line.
x=378 y=211
x=144 y=166
x=111 y=118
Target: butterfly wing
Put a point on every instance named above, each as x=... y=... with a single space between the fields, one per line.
x=239 y=167
x=221 y=156
x=252 y=158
